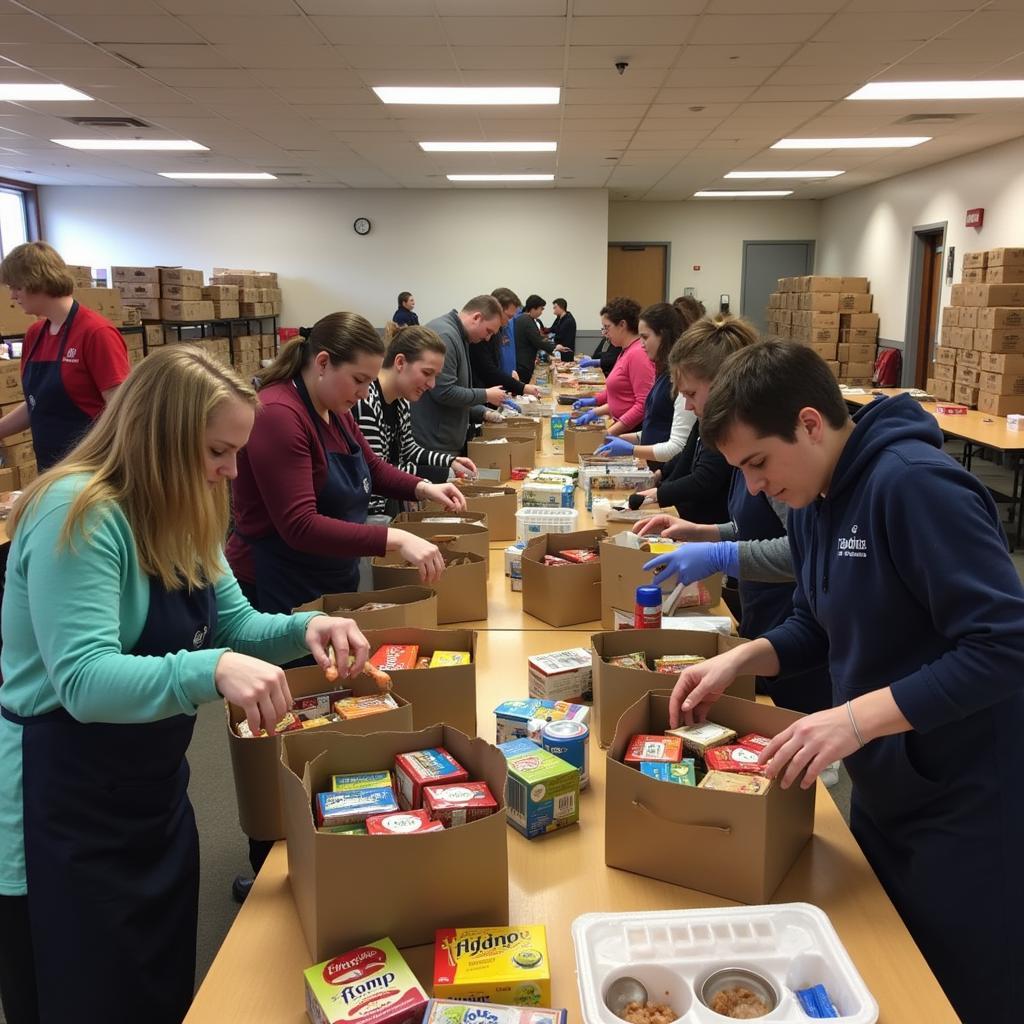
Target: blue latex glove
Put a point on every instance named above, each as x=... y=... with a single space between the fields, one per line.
x=586 y=363
x=584 y=403
x=615 y=446
x=512 y=405
x=587 y=417
x=692 y=562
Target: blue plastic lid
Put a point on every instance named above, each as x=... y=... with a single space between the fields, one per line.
x=648 y=596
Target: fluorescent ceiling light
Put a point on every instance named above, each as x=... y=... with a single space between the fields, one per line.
x=1003 y=89
x=759 y=193
x=502 y=96
x=219 y=175
x=784 y=174
x=892 y=142
x=489 y=147
x=12 y=92
x=129 y=144
x=500 y=177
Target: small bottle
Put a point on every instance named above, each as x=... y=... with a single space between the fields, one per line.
x=647 y=610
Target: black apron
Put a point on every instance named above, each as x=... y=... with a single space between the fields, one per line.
x=57 y=424
x=767 y=605
x=286 y=578
x=111 y=849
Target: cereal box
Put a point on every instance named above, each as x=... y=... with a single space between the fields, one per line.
x=654 y=748
x=442 y=659
x=361 y=780
x=459 y=803
x=394 y=657
x=457 y=1011
x=682 y=773
x=561 y=675
x=354 y=805
x=515 y=718
x=402 y=823
x=493 y=965
x=372 y=985
x=542 y=792
x=422 y=768
x=733 y=758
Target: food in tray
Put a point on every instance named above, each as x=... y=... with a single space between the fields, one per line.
x=734 y=782
x=667 y=749
x=739 y=1003
x=393 y=657
x=676 y=662
x=699 y=739
x=739 y=993
x=649 y=1013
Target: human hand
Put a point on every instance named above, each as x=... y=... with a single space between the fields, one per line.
x=585 y=418
x=584 y=403
x=515 y=375
x=655 y=524
x=615 y=446
x=514 y=406
x=422 y=554
x=657 y=476
x=464 y=467
x=692 y=562
x=345 y=637
x=257 y=687
x=447 y=495
x=496 y=395
x=532 y=389
x=809 y=745
x=647 y=497
x=586 y=362
x=697 y=688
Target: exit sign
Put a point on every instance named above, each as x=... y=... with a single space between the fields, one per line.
x=975 y=217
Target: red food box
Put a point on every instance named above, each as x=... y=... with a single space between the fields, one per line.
x=754 y=741
x=395 y=657
x=665 y=749
x=733 y=758
x=402 y=823
x=420 y=768
x=950 y=409
x=520 y=472
x=580 y=555
x=555 y=560
x=455 y=805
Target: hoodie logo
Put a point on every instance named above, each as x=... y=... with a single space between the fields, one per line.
x=853 y=546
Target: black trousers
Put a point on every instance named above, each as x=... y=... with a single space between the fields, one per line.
x=17 y=963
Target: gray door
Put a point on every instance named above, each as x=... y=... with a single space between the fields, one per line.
x=763 y=264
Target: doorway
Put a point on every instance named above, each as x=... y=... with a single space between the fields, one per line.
x=763 y=264
x=639 y=271
x=928 y=247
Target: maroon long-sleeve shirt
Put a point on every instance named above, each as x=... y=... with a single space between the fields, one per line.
x=280 y=471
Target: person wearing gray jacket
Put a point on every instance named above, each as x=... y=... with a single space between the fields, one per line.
x=441 y=418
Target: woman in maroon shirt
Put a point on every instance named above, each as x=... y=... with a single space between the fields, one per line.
x=305 y=477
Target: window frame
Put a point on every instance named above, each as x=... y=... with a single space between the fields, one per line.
x=30 y=197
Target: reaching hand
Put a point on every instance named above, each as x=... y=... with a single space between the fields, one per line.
x=585 y=418
x=464 y=467
x=697 y=688
x=584 y=403
x=615 y=446
x=258 y=688
x=655 y=524
x=421 y=553
x=809 y=746
x=692 y=562
x=495 y=395
x=514 y=406
x=532 y=389
x=447 y=495
x=344 y=636
x=586 y=363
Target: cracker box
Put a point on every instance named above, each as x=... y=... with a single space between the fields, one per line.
x=561 y=675
x=401 y=823
x=316 y=705
x=513 y=718
x=371 y=984
x=493 y=965
x=460 y=803
x=353 y=805
x=667 y=749
x=395 y=657
x=420 y=768
x=458 y=1011
x=542 y=792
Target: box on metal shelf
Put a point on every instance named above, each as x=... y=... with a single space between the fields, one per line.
x=134 y=275
x=105 y=301
x=10 y=381
x=1000 y=405
x=148 y=309
x=192 y=310
x=181 y=277
x=225 y=310
x=182 y=292
x=255 y=309
x=221 y=292
x=147 y=290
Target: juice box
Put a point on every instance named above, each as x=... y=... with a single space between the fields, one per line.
x=514 y=717
x=442 y=659
x=493 y=965
x=394 y=657
x=372 y=985
x=458 y=1011
x=421 y=768
x=542 y=792
x=361 y=780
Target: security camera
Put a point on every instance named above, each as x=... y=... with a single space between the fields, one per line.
x=621 y=65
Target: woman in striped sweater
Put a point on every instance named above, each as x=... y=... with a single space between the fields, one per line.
x=414 y=358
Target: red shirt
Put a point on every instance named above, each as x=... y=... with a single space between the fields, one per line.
x=95 y=357
x=281 y=469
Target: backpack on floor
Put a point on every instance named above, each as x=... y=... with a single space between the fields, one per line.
x=888 y=368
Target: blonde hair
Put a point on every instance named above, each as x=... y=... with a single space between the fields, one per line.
x=37 y=267
x=145 y=454
x=706 y=344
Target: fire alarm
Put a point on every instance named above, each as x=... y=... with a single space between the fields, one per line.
x=975 y=217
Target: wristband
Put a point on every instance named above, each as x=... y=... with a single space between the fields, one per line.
x=853 y=723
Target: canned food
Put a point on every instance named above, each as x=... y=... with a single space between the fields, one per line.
x=569 y=740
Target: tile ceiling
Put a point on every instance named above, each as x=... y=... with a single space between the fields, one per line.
x=284 y=86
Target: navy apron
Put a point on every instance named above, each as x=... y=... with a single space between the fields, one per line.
x=767 y=605
x=111 y=849
x=57 y=424
x=286 y=578
x=655 y=429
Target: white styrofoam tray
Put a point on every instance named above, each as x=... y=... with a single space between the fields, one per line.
x=672 y=951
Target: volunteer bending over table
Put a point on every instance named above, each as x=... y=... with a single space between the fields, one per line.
x=906 y=590
x=120 y=617
x=305 y=478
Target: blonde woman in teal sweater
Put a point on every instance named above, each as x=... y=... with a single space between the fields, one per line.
x=120 y=618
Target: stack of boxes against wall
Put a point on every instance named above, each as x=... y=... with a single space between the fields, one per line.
x=980 y=357
x=833 y=316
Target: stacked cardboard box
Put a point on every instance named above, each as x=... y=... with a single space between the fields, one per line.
x=268 y=346
x=245 y=354
x=105 y=301
x=225 y=300
x=219 y=348
x=16 y=449
x=833 y=315
x=13 y=321
x=82 y=275
x=258 y=290
x=139 y=288
x=181 y=295
x=134 y=340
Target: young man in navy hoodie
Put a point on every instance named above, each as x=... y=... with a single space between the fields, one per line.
x=906 y=590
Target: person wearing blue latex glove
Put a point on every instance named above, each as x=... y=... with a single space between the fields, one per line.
x=587 y=362
x=615 y=446
x=584 y=403
x=514 y=406
x=692 y=562
x=587 y=417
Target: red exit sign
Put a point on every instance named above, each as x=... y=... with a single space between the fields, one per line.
x=975 y=217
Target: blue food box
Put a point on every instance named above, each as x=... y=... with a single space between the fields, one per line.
x=353 y=805
x=513 y=717
x=682 y=773
x=458 y=1011
x=542 y=792
x=558 y=422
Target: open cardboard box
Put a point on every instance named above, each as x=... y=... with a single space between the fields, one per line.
x=461 y=589
x=254 y=761
x=616 y=688
x=518 y=425
x=417 y=606
x=733 y=845
x=468 y=537
x=451 y=518
x=350 y=890
x=436 y=694
x=503 y=453
x=497 y=503
x=581 y=441
x=562 y=595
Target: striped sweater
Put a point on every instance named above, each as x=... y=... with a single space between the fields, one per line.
x=393 y=443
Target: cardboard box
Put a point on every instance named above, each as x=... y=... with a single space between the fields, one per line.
x=560 y=675
x=432 y=879
x=149 y=309
x=823 y=302
x=134 y=275
x=13 y=320
x=581 y=442
x=973 y=275
x=182 y=292
x=946 y=334
x=968 y=316
x=820 y=283
x=859 y=370
x=969 y=375
x=821 y=335
x=10 y=478
x=562 y=595
x=825 y=351
x=946 y=356
x=854 y=302
x=1005 y=339
x=941 y=389
x=854 y=284
x=519 y=426
x=172 y=309
x=975 y=259
x=1001 y=383
x=999 y=318
x=254 y=761
x=147 y=290
x=468 y=537
x=965 y=394
x=221 y=292
x=957 y=294
x=968 y=357
x=416 y=606
x=617 y=688
x=105 y=301
x=1005 y=258
x=180 y=277
x=10 y=382
x=729 y=844
x=997 y=362
x=16 y=455
x=998 y=405
x=962 y=337
x=498 y=504
x=951 y=315
x=461 y=590
x=255 y=309
x=503 y=453
x=994 y=295
x=856 y=353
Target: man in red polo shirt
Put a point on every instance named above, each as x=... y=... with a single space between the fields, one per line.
x=72 y=359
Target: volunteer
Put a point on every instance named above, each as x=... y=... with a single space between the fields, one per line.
x=120 y=618
x=404 y=315
x=414 y=358
x=563 y=328
x=529 y=341
x=305 y=477
x=667 y=421
x=493 y=360
x=629 y=380
x=905 y=588
x=72 y=359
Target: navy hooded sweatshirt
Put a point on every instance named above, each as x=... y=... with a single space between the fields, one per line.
x=903 y=580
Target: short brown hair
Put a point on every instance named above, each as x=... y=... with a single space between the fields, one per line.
x=412 y=342
x=619 y=309
x=37 y=267
x=706 y=345
x=506 y=297
x=486 y=305
x=664 y=320
x=690 y=309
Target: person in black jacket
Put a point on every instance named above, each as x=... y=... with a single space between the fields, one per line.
x=529 y=340
x=404 y=315
x=493 y=360
x=563 y=327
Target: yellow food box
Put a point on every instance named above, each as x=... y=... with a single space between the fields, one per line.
x=442 y=659
x=493 y=965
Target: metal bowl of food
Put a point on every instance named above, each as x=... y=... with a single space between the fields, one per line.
x=739 y=993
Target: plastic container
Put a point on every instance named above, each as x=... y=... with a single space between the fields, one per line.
x=601 y=508
x=673 y=953
x=647 y=610
x=531 y=522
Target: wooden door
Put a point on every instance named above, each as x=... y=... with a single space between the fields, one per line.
x=928 y=321
x=638 y=272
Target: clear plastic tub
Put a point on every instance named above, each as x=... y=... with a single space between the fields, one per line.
x=531 y=522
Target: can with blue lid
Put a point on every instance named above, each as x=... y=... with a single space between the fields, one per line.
x=569 y=740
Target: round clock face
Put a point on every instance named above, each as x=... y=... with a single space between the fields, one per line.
x=361 y=226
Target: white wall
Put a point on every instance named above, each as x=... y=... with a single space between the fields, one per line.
x=869 y=232
x=444 y=247
x=710 y=233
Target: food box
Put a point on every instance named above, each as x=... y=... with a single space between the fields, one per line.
x=664 y=749
x=493 y=965
x=401 y=823
x=457 y=804
x=514 y=718
x=542 y=792
x=353 y=805
x=420 y=768
x=395 y=657
x=681 y=773
x=459 y=1011
x=561 y=675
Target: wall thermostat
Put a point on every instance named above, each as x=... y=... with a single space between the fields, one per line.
x=723 y=303
x=361 y=225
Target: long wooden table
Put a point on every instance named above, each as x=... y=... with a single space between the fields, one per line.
x=257 y=975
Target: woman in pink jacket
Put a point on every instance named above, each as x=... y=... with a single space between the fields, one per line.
x=629 y=380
